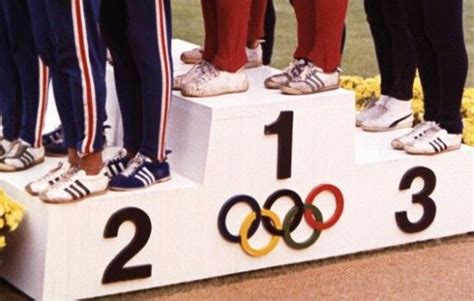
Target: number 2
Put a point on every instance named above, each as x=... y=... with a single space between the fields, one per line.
x=422 y=198
x=283 y=127
x=116 y=271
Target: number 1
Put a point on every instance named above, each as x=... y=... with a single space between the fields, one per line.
x=283 y=127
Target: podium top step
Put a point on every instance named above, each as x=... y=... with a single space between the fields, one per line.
x=257 y=93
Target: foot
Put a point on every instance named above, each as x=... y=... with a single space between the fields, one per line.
x=21 y=156
x=141 y=172
x=216 y=82
x=418 y=132
x=372 y=109
x=435 y=141
x=254 y=57
x=192 y=75
x=312 y=80
x=75 y=185
x=397 y=115
x=49 y=179
x=117 y=164
x=292 y=71
x=193 y=56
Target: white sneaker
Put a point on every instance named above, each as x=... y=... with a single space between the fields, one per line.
x=193 y=56
x=21 y=156
x=75 y=186
x=216 y=82
x=254 y=57
x=5 y=145
x=418 y=132
x=435 y=141
x=312 y=80
x=193 y=74
x=372 y=109
x=289 y=73
x=398 y=114
x=50 y=178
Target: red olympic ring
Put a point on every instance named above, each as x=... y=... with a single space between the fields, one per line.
x=337 y=213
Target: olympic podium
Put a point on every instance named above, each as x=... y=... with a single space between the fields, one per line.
x=259 y=179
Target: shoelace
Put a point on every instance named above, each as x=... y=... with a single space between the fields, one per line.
x=67 y=178
x=297 y=65
x=420 y=128
x=429 y=133
x=50 y=174
x=134 y=165
x=208 y=72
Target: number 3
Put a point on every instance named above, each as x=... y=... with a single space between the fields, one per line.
x=422 y=198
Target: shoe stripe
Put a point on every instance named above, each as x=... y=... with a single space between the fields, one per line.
x=145 y=176
x=27 y=154
x=111 y=170
x=440 y=140
x=439 y=145
x=320 y=81
x=25 y=163
x=76 y=190
x=396 y=122
x=24 y=159
x=145 y=183
x=312 y=83
x=434 y=147
x=86 y=190
x=74 y=196
x=147 y=171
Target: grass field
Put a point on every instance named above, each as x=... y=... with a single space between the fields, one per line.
x=359 y=56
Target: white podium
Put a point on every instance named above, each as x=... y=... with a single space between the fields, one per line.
x=234 y=155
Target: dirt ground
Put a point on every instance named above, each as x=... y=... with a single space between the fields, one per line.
x=435 y=270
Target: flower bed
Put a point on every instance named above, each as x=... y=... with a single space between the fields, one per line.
x=11 y=215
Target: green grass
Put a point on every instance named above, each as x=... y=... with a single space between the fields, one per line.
x=359 y=56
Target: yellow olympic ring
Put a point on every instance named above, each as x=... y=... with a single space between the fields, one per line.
x=245 y=244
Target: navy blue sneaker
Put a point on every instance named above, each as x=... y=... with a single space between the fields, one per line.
x=53 y=142
x=141 y=172
x=117 y=164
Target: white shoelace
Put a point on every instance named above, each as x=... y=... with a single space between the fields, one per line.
x=134 y=165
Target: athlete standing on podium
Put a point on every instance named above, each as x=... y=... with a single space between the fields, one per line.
x=138 y=35
x=224 y=57
x=81 y=65
x=24 y=83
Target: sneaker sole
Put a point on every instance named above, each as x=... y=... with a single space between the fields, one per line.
x=292 y=91
x=138 y=188
x=217 y=94
x=449 y=149
x=98 y=193
x=8 y=168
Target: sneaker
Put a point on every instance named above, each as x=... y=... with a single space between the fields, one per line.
x=254 y=57
x=397 y=115
x=289 y=73
x=54 y=144
x=140 y=173
x=117 y=164
x=193 y=56
x=312 y=80
x=415 y=134
x=5 y=145
x=192 y=75
x=435 y=141
x=74 y=186
x=371 y=110
x=21 y=156
x=49 y=179
x=216 y=82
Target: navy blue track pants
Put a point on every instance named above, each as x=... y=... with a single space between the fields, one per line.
x=77 y=58
x=24 y=79
x=138 y=35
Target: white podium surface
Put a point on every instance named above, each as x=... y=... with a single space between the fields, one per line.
x=220 y=151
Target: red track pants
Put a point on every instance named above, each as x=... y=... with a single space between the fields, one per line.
x=229 y=26
x=320 y=26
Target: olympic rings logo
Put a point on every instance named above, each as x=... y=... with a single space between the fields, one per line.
x=272 y=223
